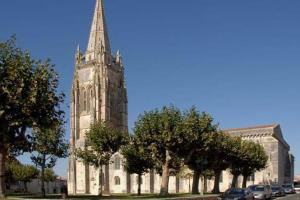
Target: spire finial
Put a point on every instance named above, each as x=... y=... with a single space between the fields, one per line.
x=99 y=32
x=119 y=57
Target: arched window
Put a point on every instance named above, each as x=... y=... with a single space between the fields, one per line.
x=117 y=162
x=251 y=177
x=91 y=99
x=88 y=101
x=117 y=180
x=84 y=100
x=137 y=180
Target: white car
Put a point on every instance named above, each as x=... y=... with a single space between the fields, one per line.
x=297 y=187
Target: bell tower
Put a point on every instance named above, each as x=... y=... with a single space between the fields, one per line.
x=98 y=93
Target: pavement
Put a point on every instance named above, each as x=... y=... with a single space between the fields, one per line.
x=290 y=197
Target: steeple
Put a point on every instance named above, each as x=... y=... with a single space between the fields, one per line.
x=99 y=34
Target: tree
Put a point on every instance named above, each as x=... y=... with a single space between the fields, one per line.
x=160 y=132
x=48 y=145
x=11 y=160
x=246 y=157
x=256 y=161
x=49 y=175
x=23 y=173
x=28 y=98
x=137 y=160
x=207 y=175
x=197 y=128
x=102 y=141
x=220 y=146
x=236 y=156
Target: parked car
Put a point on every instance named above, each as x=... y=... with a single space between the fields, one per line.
x=237 y=194
x=261 y=192
x=297 y=187
x=289 y=188
x=277 y=191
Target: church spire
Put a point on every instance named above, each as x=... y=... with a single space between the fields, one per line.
x=99 y=34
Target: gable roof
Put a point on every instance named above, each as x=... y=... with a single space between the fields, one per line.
x=261 y=130
x=252 y=128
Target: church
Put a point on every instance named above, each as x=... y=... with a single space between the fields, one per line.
x=99 y=93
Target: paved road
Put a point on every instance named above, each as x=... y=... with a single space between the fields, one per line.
x=290 y=197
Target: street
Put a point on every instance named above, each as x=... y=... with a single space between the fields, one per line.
x=290 y=197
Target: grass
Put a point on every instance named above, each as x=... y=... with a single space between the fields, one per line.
x=89 y=197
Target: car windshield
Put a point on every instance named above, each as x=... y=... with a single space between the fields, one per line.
x=235 y=191
x=257 y=188
x=275 y=188
x=297 y=186
x=287 y=186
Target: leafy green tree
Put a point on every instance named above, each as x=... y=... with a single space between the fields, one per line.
x=246 y=157
x=11 y=160
x=197 y=128
x=220 y=146
x=49 y=175
x=237 y=157
x=160 y=132
x=256 y=161
x=23 y=173
x=48 y=145
x=28 y=99
x=137 y=160
x=102 y=141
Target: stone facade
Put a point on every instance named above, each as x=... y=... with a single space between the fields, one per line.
x=280 y=167
x=99 y=93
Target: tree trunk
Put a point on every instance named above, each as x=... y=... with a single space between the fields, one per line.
x=25 y=187
x=164 y=190
x=234 y=181
x=43 y=177
x=245 y=177
x=205 y=185
x=139 y=184
x=216 y=189
x=189 y=185
x=2 y=172
x=100 y=191
x=195 y=187
x=177 y=184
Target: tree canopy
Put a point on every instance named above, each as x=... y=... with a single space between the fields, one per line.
x=48 y=145
x=160 y=132
x=29 y=98
x=23 y=173
x=137 y=160
x=102 y=141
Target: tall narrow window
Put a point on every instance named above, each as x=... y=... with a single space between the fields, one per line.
x=88 y=101
x=117 y=163
x=91 y=99
x=84 y=101
x=251 y=178
x=117 y=180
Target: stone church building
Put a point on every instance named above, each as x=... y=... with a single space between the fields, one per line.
x=99 y=93
x=280 y=167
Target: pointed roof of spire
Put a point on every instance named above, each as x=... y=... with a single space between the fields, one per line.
x=99 y=34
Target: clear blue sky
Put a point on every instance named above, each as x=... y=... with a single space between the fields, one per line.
x=237 y=59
